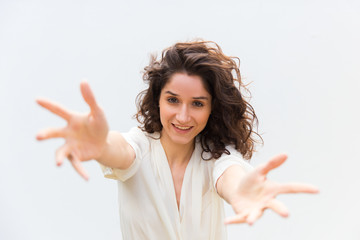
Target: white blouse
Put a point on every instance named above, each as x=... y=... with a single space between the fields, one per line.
x=147 y=201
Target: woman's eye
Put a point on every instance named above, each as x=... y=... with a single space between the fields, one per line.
x=198 y=104
x=172 y=100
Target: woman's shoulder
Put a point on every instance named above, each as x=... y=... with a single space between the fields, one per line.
x=141 y=138
x=138 y=132
x=231 y=152
x=234 y=157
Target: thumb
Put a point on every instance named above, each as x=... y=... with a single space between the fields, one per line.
x=88 y=96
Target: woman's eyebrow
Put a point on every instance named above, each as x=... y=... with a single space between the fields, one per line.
x=201 y=98
x=169 y=92
x=196 y=98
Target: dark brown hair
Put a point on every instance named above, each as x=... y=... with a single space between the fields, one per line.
x=232 y=118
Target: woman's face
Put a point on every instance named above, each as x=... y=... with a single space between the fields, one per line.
x=185 y=106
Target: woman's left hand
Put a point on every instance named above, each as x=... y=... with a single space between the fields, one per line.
x=255 y=193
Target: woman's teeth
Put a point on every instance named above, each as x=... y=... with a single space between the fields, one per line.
x=182 y=128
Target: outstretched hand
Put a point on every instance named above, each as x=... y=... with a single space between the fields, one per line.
x=85 y=134
x=255 y=193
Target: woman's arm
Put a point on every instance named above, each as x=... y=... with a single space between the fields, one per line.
x=250 y=193
x=87 y=136
x=117 y=152
x=225 y=185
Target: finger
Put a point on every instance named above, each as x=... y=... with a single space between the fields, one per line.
x=278 y=207
x=54 y=108
x=253 y=216
x=273 y=163
x=88 y=96
x=297 y=188
x=61 y=154
x=50 y=133
x=76 y=163
x=239 y=218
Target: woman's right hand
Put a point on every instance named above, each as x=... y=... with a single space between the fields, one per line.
x=85 y=134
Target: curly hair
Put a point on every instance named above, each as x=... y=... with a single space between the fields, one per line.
x=232 y=118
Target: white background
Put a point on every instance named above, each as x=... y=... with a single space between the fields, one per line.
x=301 y=58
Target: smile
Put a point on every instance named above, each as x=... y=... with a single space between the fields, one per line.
x=181 y=127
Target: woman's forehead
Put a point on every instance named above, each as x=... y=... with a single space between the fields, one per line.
x=185 y=85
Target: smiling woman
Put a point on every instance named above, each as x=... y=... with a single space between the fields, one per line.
x=187 y=155
x=232 y=118
x=185 y=106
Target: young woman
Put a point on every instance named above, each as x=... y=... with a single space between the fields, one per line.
x=187 y=154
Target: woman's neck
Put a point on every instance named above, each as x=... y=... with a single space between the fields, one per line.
x=177 y=153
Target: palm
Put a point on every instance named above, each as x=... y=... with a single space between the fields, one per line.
x=256 y=193
x=85 y=134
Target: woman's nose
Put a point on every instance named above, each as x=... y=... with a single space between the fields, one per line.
x=183 y=115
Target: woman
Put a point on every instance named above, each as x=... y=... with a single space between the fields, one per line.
x=187 y=155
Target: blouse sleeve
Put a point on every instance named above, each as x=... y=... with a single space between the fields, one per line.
x=140 y=143
x=225 y=161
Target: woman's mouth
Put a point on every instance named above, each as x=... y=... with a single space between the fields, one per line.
x=182 y=128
